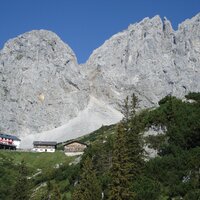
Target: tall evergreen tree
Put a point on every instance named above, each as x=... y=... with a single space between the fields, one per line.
x=126 y=111
x=22 y=185
x=134 y=141
x=133 y=105
x=120 y=187
x=127 y=155
x=89 y=187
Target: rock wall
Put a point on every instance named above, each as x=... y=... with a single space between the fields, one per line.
x=149 y=59
x=43 y=87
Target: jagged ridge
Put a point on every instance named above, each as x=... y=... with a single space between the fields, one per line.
x=43 y=87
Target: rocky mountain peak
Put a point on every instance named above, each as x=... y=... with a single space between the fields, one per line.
x=149 y=59
x=190 y=22
x=39 y=45
x=45 y=94
x=40 y=83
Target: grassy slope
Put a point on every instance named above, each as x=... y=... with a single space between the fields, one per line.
x=46 y=162
x=37 y=160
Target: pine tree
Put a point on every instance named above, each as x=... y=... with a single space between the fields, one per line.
x=126 y=111
x=134 y=141
x=21 y=188
x=133 y=106
x=89 y=187
x=127 y=155
x=120 y=188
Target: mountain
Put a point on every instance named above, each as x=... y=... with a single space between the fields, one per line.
x=42 y=89
x=46 y=95
x=150 y=59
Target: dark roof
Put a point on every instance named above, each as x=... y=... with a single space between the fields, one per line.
x=12 y=137
x=46 y=143
x=73 y=141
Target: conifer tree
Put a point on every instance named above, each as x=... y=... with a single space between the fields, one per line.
x=89 y=187
x=21 y=188
x=133 y=106
x=127 y=154
x=134 y=141
x=120 y=187
x=126 y=111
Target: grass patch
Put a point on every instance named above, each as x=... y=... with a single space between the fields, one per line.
x=36 y=160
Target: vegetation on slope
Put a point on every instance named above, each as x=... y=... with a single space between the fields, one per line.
x=42 y=169
x=113 y=160
x=175 y=172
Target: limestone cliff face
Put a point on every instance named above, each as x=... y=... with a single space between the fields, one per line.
x=149 y=59
x=43 y=87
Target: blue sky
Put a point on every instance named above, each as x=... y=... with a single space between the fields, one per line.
x=85 y=24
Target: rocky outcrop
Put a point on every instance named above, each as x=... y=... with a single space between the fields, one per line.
x=41 y=87
x=149 y=59
x=44 y=92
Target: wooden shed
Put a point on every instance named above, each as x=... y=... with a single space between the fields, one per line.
x=72 y=148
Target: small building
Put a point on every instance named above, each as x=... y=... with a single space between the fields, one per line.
x=73 y=148
x=44 y=146
x=9 y=141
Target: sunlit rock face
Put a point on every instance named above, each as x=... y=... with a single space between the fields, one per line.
x=45 y=94
x=41 y=87
x=150 y=59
